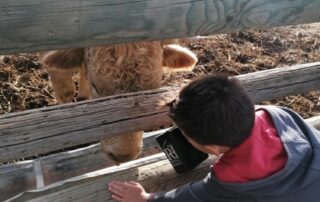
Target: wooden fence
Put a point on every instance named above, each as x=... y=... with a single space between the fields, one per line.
x=261 y=85
x=154 y=173
x=35 y=25
x=81 y=175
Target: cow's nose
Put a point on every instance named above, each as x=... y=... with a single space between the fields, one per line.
x=120 y=158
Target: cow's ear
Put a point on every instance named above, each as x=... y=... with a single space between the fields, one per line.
x=177 y=58
x=63 y=59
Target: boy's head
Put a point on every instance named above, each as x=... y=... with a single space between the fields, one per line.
x=214 y=110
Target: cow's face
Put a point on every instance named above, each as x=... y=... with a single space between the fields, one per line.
x=119 y=69
x=129 y=68
x=134 y=66
x=124 y=147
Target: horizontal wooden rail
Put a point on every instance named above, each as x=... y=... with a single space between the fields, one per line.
x=36 y=25
x=153 y=172
x=59 y=167
x=49 y=129
x=43 y=171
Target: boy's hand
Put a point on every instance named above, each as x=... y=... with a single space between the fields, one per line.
x=127 y=191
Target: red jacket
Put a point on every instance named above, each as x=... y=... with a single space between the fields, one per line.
x=261 y=155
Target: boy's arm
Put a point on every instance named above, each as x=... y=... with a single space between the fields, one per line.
x=183 y=193
x=134 y=192
x=199 y=191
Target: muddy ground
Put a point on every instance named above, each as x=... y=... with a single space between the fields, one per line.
x=24 y=84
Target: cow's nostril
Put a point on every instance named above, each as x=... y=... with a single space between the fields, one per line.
x=113 y=158
x=81 y=98
x=120 y=158
x=111 y=155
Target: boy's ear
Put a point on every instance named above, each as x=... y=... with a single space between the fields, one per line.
x=212 y=149
x=216 y=149
x=63 y=59
x=177 y=58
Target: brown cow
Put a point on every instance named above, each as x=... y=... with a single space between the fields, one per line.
x=114 y=69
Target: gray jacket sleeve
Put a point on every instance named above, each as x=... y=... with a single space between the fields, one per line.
x=184 y=193
x=200 y=191
x=206 y=190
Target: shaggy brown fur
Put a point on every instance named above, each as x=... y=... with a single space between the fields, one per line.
x=114 y=69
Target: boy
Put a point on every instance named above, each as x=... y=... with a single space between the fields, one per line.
x=269 y=153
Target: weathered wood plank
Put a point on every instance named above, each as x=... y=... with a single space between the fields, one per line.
x=65 y=165
x=19 y=177
x=154 y=172
x=49 y=129
x=69 y=164
x=16 y=178
x=36 y=25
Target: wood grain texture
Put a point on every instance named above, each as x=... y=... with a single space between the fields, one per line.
x=69 y=164
x=19 y=177
x=16 y=178
x=60 y=167
x=65 y=165
x=154 y=173
x=49 y=129
x=36 y=25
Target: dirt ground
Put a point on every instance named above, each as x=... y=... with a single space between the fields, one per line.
x=24 y=84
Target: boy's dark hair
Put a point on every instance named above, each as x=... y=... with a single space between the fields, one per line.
x=215 y=110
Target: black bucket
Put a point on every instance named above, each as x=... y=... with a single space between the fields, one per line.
x=181 y=154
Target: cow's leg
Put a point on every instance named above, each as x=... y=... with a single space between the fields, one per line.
x=61 y=65
x=84 y=85
x=62 y=84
